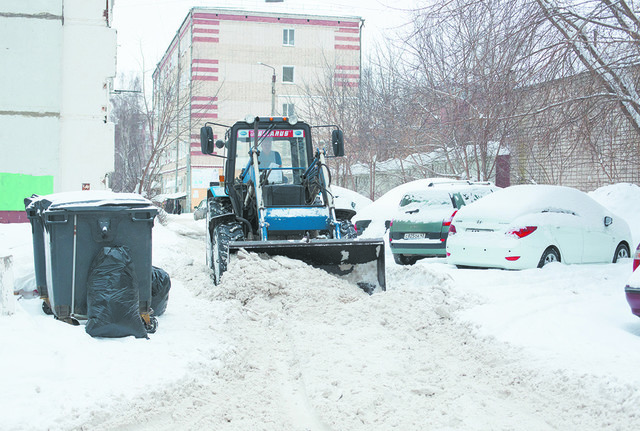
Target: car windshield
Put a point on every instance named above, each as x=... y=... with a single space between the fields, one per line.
x=282 y=150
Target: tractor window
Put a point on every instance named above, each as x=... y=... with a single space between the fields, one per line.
x=284 y=152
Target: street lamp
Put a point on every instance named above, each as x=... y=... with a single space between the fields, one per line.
x=273 y=88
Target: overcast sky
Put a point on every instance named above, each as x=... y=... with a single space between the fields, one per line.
x=146 y=27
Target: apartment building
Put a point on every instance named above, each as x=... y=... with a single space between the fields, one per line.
x=58 y=62
x=225 y=64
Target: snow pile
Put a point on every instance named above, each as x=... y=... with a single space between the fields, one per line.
x=281 y=345
x=623 y=200
x=253 y=279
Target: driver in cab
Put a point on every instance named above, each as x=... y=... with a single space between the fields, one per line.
x=269 y=158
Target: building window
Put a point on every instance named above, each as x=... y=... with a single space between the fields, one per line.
x=287 y=110
x=288 y=37
x=287 y=73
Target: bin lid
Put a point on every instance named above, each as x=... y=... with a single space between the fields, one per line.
x=91 y=199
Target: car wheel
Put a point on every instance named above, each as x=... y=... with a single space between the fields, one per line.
x=622 y=252
x=551 y=254
x=402 y=259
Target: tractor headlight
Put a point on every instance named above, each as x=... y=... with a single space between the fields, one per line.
x=292 y=120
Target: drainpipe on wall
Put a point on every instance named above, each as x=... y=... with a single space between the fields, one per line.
x=189 y=174
x=178 y=114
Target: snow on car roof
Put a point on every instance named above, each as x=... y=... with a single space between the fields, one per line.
x=515 y=201
x=386 y=204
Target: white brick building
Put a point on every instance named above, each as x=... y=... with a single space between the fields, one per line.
x=219 y=51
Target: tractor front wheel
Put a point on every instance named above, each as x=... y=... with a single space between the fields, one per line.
x=222 y=234
x=347 y=229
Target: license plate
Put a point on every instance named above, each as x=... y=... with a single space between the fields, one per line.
x=414 y=235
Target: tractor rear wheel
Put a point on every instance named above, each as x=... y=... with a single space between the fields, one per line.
x=222 y=234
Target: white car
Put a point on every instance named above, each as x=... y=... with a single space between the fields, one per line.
x=528 y=226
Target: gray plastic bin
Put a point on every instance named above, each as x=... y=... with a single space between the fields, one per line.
x=33 y=207
x=76 y=227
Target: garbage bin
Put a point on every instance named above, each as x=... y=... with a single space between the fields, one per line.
x=33 y=207
x=77 y=226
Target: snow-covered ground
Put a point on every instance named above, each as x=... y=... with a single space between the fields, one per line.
x=283 y=346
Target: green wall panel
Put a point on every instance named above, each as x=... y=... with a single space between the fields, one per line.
x=15 y=187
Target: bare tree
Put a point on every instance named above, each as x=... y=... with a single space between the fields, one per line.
x=167 y=115
x=467 y=60
x=131 y=152
x=604 y=35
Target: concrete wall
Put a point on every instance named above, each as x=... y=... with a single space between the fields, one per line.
x=88 y=67
x=57 y=64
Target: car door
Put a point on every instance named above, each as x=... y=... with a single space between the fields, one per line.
x=598 y=240
x=566 y=229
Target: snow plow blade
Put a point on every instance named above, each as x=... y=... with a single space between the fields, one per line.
x=332 y=255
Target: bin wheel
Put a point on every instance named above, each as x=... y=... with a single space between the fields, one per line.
x=152 y=326
x=69 y=320
x=47 y=308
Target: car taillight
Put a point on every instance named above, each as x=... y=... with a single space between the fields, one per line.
x=391 y=223
x=447 y=221
x=636 y=258
x=452 y=230
x=522 y=232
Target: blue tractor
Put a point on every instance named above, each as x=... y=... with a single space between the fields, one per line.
x=275 y=198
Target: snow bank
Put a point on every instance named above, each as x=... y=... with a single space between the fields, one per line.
x=624 y=200
x=280 y=345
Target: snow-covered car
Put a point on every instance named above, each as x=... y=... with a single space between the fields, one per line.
x=348 y=199
x=632 y=289
x=421 y=223
x=375 y=218
x=528 y=226
x=200 y=211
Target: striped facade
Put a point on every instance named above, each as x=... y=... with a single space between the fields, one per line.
x=216 y=54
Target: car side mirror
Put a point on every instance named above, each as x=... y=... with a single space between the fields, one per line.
x=220 y=143
x=206 y=140
x=608 y=221
x=337 y=141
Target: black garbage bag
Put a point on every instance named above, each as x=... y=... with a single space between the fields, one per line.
x=113 y=308
x=160 y=286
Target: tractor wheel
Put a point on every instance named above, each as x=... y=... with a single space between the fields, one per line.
x=215 y=207
x=402 y=259
x=622 y=252
x=218 y=206
x=549 y=255
x=223 y=233
x=347 y=230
